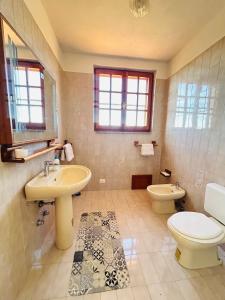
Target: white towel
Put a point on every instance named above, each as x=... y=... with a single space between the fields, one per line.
x=68 y=151
x=147 y=149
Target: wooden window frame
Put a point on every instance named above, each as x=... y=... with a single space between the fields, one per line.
x=125 y=73
x=33 y=64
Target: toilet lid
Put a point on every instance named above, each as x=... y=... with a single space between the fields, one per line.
x=195 y=225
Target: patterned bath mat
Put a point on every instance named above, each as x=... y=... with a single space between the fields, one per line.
x=99 y=263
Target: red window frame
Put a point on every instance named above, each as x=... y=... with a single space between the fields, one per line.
x=36 y=65
x=124 y=73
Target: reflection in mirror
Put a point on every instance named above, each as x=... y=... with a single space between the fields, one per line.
x=31 y=91
x=194 y=106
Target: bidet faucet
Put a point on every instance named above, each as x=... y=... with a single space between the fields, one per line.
x=47 y=164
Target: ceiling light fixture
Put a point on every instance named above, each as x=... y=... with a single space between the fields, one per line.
x=139 y=8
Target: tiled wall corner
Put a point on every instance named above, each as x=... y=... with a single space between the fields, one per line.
x=195 y=129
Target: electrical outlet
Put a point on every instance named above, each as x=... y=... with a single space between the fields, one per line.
x=102 y=180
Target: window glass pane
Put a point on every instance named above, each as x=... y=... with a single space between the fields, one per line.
x=142 y=101
x=21 y=76
x=21 y=92
x=116 y=117
x=116 y=83
x=131 y=101
x=22 y=101
x=22 y=114
x=35 y=102
x=35 y=93
x=116 y=100
x=36 y=115
x=104 y=100
x=104 y=82
x=34 y=77
x=131 y=118
x=132 y=84
x=141 y=118
x=143 y=85
x=104 y=117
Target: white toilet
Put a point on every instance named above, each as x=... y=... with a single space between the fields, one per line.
x=197 y=235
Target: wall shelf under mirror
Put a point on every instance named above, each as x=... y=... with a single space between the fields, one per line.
x=28 y=112
x=8 y=151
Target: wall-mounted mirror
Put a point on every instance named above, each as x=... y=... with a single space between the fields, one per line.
x=28 y=100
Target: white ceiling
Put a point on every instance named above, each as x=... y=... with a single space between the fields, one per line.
x=107 y=26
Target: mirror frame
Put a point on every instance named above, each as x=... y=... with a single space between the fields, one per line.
x=6 y=129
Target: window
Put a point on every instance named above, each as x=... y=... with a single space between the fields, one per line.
x=123 y=100
x=29 y=95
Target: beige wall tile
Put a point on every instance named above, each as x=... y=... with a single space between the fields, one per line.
x=109 y=155
x=194 y=135
x=21 y=240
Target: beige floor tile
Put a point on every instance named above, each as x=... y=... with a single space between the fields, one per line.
x=165 y=291
x=96 y=296
x=133 y=245
x=149 y=249
x=135 y=271
x=53 y=256
x=148 y=269
x=211 y=271
x=188 y=290
x=42 y=287
x=216 y=283
x=59 y=286
x=141 y=293
x=155 y=241
x=177 y=270
x=111 y=295
x=125 y=294
x=161 y=267
x=202 y=288
x=32 y=279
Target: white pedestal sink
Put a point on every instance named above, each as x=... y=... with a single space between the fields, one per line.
x=61 y=183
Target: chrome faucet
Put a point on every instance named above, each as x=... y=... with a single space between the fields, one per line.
x=177 y=185
x=47 y=164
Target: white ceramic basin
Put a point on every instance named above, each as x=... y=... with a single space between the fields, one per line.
x=165 y=192
x=163 y=196
x=61 y=183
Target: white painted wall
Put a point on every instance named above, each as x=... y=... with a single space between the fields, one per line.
x=83 y=63
x=40 y=16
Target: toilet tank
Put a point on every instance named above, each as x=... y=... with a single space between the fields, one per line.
x=215 y=201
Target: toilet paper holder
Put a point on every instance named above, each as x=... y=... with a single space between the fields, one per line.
x=137 y=144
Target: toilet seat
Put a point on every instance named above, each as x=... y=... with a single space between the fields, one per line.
x=195 y=226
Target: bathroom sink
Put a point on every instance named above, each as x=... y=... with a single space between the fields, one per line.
x=165 y=192
x=61 y=183
x=62 y=180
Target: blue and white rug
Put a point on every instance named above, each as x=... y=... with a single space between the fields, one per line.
x=99 y=263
